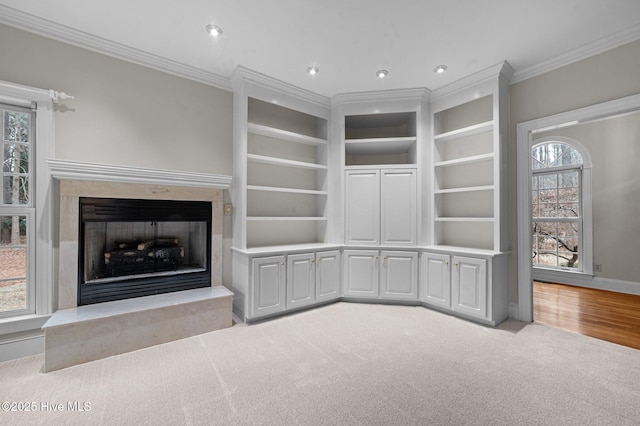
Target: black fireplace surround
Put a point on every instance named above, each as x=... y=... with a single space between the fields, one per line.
x=131 y=248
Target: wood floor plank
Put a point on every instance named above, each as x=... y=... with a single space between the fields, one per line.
x=605 y=315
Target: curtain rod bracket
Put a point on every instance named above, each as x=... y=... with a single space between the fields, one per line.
x=57 y=96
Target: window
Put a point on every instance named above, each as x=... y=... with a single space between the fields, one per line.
x=16 y=210
x=557 y=205
x=26 y=208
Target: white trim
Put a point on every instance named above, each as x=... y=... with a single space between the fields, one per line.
x=242 y=75
x=421 y=93
x=66 y=169
x=503 y=69
x=524 y=133
x=599 y=46
x=27 y=22
x=513 y=310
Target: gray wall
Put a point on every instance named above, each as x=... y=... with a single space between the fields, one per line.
x=123 y=114
x=600 y=78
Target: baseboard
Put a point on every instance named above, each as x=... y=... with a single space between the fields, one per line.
x=588 y=281
x=21 y=347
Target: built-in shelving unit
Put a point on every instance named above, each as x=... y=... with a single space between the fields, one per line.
x=469 y=158
x=380 y=139
x=281 y=165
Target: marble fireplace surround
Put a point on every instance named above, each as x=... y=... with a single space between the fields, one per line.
x=77 y=334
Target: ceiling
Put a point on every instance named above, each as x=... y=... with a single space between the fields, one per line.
x=348 y=40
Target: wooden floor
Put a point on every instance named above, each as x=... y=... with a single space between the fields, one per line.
x=605 y=315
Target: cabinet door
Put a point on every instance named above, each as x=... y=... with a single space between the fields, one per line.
x=328 y=275
x=398 y=193
x=301 y=279
x=362 y=207
x=435 y=279
x=361 y=273
x=469 y=286
x=268 y=285
x=399 y=275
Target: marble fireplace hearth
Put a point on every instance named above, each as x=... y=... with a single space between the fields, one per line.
x=77 y=334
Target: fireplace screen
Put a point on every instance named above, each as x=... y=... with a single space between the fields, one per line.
x=132 y=248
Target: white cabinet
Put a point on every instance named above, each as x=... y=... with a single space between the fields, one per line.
x=381 y=207
x=328 y=267
x=360 y=277
x=362 y=207
x=399 y=275
x=301 y=279
x=435 y=281
x=469 y=286
x=268 y=285
x=386 y=274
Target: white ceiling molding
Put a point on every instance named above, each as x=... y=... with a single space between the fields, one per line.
x=421 y=93
x=607 y=43
x=65 y=169
x=43 y=27
x=245 y=75
x=503 y=69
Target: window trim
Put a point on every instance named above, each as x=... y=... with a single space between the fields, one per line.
x=43 y=196
x=585 y=247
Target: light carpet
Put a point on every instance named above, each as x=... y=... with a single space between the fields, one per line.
x=343 y=364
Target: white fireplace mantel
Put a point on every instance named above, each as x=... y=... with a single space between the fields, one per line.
x=66 y=169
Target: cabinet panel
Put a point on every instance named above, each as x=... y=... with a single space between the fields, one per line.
x=301 y=277
x=362 y=216
x=435 y=279
x=469 y=286
x=328 y=266
x=399 y=275
x=361 y=273
x=398 y=206
x=268 y=285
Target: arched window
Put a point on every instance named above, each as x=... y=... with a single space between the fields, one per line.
x=557 y=204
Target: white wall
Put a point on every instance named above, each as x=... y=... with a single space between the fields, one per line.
x=604 y=77
x=123 y=114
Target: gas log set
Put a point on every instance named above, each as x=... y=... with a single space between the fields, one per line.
x=135 y=257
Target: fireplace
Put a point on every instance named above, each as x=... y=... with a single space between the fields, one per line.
x=140 y=247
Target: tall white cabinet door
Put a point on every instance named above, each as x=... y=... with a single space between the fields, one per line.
x=398 y=189
x=362 y=213
x=268 y=285
x=469 y=286
x=435 y=279
x=328 y=275
x=399 y=275
x=360 y=275
x=301 y=279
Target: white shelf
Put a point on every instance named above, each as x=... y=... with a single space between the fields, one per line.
x=475 y=129
x=284 y=162
x=284 y=218
x=379 y=146
x=465 y=189
x=288 y=190
x=464 y=219
x=466 y=160
x=271 y=132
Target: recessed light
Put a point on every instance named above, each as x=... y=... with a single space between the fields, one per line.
x=382 y=73
x=214 y=30
x=313 y=70
x=440 y=69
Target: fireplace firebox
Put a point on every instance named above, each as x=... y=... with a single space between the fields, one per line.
x=132 y=248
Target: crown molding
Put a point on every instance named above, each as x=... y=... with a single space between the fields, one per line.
x=503 y=70
x=421 y=93
x=602 y=45
x=242 y=75
x=46 y=28
x=65 y=169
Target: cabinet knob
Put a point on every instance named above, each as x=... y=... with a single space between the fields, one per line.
x=455 y=264
x=386 y=257
x=281 y=263
x=312 y=260
x=446 y=263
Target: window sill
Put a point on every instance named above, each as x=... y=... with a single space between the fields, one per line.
x=561 y=276
x=22 y=323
